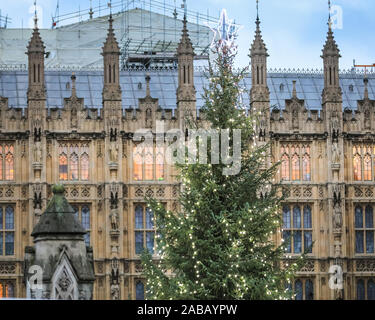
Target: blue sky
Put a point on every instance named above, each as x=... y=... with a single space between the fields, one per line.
x=294 y=30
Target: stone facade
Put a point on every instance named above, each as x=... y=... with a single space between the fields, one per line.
x=324 y=169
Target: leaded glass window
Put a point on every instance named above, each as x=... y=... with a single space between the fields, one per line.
x=297 y=228
x=365 y=289
x=304 y=289
x=364 y=229
x=7 y=230
x=139 y=290
x=74 y=162
x=144 y=233
x=148 y=163
x=82 y=214
x=6 y=289
x=6 y=162
x=296 y=162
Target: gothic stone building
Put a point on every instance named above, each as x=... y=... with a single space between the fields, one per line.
x=321 y=124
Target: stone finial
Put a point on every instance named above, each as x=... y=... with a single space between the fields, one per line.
x=148 y=91
x=365 y=81
x=294 y=93
x=36 y=44
x=111 y=45
x=331 y=48
x=185 y=46
x=74 y=90
x=258 y=47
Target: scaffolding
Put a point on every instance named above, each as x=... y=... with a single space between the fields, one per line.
x=4 y=21
x=150 y=39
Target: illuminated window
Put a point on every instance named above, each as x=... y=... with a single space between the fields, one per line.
x=364 y=229
x=6 y=289
x=363 y=162
x=366 y=289
x=285 y=165
x=159 y=164
x=297 y=228
x=148 y=163
x=295 y=162
x=85 y=167
x=7 y=230
x=74 y=162
x=6 y=162
x=82 y=214
x=295 y=167
x=144 y=229
x=74 y=167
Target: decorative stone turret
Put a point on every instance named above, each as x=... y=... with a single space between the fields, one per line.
x=186 y=93
x=35 y=52
x=258 y=55
x=331 y=55
x=259 y=93
x=111 y=54
x=63 y=265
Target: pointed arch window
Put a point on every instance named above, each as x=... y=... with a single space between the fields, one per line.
x=74 y=162
x=85 y=167
x=9 y=162
x=296 y=162
x=148 y=163
x=295 y=165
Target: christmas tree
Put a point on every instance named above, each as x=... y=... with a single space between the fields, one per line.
x=219 y=244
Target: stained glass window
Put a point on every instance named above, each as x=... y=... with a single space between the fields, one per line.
x=85 y=167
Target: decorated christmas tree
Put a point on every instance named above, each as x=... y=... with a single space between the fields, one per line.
x=219 y=244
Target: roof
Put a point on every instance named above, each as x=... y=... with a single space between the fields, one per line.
x=80 y=44
x=163 y=85
x=58 y=219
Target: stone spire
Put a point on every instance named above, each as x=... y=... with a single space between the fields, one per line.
x=35 y=52
x=258 y=54
x=111 y=54
x=258 y=47
x=331 y=56
x=185 y=47
x=185 y=52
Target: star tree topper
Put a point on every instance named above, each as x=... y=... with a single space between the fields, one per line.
x=225 y=32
